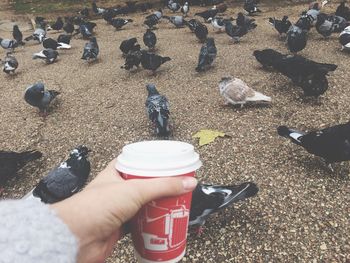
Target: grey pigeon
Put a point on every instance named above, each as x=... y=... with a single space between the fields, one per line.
x=38 y=35
x=324 y=26
x=66 y=179
x=37 y=96
x=91 y=50
x=49 y=55
x=207 y=55
x=10 y=64
x=209 y=199
x=8 y=44
x=157 y=107
x=177 y=21
x=235 y=32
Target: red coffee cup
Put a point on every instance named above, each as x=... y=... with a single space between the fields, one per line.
x=159 y=229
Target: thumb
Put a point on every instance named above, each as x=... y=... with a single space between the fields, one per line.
x=151 y=189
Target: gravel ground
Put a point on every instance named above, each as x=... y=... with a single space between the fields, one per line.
x=301 y=213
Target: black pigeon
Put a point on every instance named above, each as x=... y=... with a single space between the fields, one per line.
x=207 y=14
x=267 y=57
x=150 y=39
x=152 y=61
x=86 y=29
x=109 y=14
x=133 y=58
x=296 y=39
x=37 y=96
x=244 y=21
x=151 y=21
x=68 y=28
x=192 y=24
x=84 y=12
x=282 y=26
x=17 y=35
x=38 y=35
x=343 y=11
x=49 y=55
x=58 y=25
x=66 y=179
x=64 y=39
x=304 y=22
x=91 y=50
x=40 y=22
x=344 y=39
x=332 y=144
x=251 y=7
x=97 y=10
x=8 y=44
x=118 y=23
x=209 y=199
x=339 y=23
x=50 y=43
x=10 y=63
x=201 y=32
x=12 y=162
x=129 y=45
x=207 y=55
x=157 y=107
x=235 y=32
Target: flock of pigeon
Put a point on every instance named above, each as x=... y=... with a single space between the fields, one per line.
x=332 y=144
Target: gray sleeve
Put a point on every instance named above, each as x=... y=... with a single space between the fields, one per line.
x=31 y=232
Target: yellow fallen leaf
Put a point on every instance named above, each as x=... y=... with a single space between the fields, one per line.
x=207 y=136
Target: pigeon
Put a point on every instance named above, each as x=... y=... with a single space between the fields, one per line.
x=282 y=26
x=8 y=44
x=37 y=96
x=10 y=63
x=208 y=199
x=211 y=13
x=151 y=21
x=312 y=15
x=173 y=6
x=235 y=32
x=84 y=12
x=97 y=10
x=244 y=21
x=12 y=162
x=332 y=143
x=251 y=7
x=267 y=57
x=237 y=92
x=53 y=44
x=91 y=50
x=344 y=39
x=64 y=39
x=58 y=25
x=324 y=26
x=133 y=58
x=68 y=28
x=109 y=14
x=343 y=11
x=201 y=32
x=17 y=35
x=192 y=24
x=296 y=39
x=38 y=35
x=40 y=22
x=118 y=23
x=185 y=9
x=177 y=21
x=339 y=23
x=304 y=22
x=85 y=28
x=217 y=23
x=207 y=55
x=49 y=55
x=129 y=45
x=66 y=179
x=150 y=39
x=157 y=107
x=151 y=61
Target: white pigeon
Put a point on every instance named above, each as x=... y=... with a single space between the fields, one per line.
x=217 y=23
x=235 y=91
x=344 y=39
x=185 y=9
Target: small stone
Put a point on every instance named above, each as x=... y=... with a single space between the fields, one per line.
x=323 y=246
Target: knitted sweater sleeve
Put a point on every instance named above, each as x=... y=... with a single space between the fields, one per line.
x=31 y=232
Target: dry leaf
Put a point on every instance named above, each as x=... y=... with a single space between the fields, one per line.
x=207 y=136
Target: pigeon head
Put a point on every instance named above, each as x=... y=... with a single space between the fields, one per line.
x=151 y=88
x=282 y=131
x=80 y=151
x=15 y=27
x=224 y=81
x=210 y=41
x=38 y=87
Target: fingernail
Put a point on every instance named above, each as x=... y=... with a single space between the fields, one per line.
x=189 y=183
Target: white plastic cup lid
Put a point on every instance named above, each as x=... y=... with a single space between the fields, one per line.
x=158 y=158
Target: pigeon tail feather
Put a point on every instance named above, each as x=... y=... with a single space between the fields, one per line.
x=293 y=135
x=259 y=97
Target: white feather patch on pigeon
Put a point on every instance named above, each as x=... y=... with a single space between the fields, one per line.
x=295 y=135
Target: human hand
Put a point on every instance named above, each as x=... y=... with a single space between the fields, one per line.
x=96 y=215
